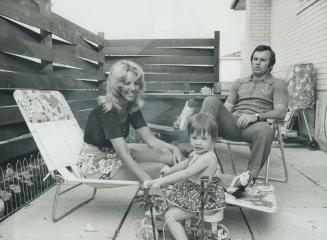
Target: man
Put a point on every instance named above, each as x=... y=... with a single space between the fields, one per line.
x=252 y=100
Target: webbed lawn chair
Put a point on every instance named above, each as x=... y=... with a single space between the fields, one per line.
x=59 y=140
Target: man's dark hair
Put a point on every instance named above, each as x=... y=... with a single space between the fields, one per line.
x=262 y=48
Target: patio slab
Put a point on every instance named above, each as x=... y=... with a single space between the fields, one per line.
x=96 y=220
x=295 y=223
x=301 y=214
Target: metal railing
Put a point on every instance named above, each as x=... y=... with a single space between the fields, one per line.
x=21 y=182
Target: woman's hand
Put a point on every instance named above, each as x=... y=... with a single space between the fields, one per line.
x=177 y=155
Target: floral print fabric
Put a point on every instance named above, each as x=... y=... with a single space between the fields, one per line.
x=98 y=163
x=186 y=195
x=301 y=86
x=44 y=106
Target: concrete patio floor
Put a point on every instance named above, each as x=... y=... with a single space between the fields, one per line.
x=301 y=214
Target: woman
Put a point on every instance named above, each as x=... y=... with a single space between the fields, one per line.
x=108 y=126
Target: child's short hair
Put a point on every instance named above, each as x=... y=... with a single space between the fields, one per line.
x=201 y=123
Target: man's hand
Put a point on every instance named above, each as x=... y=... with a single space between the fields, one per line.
x=177 y=155
x=245 y=119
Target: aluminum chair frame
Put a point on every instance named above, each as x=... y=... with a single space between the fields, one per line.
x=59 y=140
x=277 y=126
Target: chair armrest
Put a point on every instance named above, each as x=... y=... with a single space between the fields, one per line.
x=275 y=121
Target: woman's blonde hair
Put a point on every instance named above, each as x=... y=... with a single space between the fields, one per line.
x=116 y=78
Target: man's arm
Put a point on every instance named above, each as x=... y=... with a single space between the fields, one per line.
x=278 y=113
x=280 y=104
x=280 y=101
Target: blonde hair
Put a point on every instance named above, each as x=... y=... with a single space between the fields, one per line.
x=116 y=78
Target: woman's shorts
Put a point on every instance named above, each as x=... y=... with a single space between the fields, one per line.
x=98 y=162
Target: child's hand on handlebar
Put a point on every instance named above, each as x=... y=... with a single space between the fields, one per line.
x=151 y=184
x=164 y=170
x=147 y=184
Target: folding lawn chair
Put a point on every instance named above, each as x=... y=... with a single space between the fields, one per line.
x=59 y=140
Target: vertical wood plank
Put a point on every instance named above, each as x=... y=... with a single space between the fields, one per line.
x=101 y=53
x=217 y=89
x=46 y=37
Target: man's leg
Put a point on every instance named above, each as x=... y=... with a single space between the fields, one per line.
x=260 y=136
x=226 y=121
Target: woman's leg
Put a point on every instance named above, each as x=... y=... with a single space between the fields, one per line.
x=173 y=217
x=151 y=168
x=157 y=155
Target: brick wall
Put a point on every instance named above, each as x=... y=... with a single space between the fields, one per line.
x=258 y=23
x=299 y=35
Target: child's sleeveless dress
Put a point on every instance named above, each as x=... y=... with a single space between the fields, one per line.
x=186 y=194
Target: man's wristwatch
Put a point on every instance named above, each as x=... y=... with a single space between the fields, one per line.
x=258 y=116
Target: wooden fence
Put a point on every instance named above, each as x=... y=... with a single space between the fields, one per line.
x=42 y=50
x=175 y=70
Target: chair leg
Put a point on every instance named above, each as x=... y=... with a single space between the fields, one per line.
x=282 y=150
x=231 y=159
x=56 y=201
x=306 y=125
x=267 y=170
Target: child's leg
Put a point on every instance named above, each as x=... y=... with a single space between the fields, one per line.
x=173 y=217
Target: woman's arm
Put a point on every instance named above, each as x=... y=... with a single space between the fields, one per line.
x=152 y=142
x=122 y=150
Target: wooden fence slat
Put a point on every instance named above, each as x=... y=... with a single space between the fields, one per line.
x=181 y=78
x=11 y=115
x=70 y=31
x=6 y=98
x=80 y=95
x=89 y=54
x=13 y=130
x=10 y=80
x=18 y=31
x=67 y=55
x=200 y=42
x=63 y=72
x=176 y=95
x=10 y=150
x=20 y=13
x=175 y=87
x=77 y=106
x=169 y=68
x=141 y=50
x=30 y=4
x=13 y=63
x=194 y=60
x=19 y=46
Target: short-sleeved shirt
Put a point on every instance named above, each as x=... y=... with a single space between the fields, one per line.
x=249 y=96
x=102 y=126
